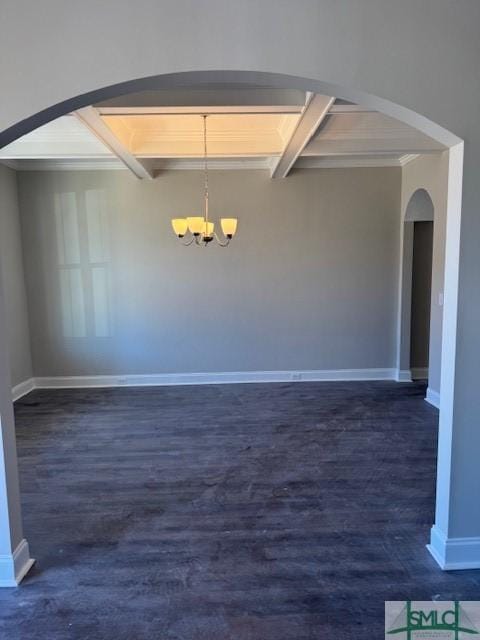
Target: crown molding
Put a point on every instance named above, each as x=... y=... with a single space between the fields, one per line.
x=63 y=164
x=11 y=164
x=168 y=164
x=345 y=162
x=196 y=164
x=408 y=157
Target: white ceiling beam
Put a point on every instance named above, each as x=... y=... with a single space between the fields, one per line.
x=349 y=108
x=92 y=119
x=315 y=110
x=214 y=96
x=199 y=110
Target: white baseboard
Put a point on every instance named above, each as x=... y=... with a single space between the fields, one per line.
x=419 y=373
x=454 y=553
x=14 y=567
x=403 y=375
x=23 y=388
x=228 y=377
x=433 y=398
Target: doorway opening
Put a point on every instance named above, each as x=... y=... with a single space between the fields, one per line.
x=351 y=98
x=421 y=299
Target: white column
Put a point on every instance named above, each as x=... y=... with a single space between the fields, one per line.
x=15 y=558
x=455 y=536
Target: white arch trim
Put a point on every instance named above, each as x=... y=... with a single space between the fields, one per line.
x=439 y=546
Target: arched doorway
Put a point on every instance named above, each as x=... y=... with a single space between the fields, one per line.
x=415 y=286
x=15 y=538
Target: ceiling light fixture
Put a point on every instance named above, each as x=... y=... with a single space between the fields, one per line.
x=201 y=229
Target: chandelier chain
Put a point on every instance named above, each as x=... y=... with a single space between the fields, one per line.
x=205 y=165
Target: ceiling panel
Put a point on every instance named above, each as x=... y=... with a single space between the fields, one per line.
x=367 y=132
x=64 y=137
x=170 y=136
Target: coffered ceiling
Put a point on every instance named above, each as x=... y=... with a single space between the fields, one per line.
x=181 y=135
x=250 y=127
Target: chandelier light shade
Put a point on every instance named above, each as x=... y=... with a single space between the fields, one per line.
x=229 y=226
x=195 y=225
x=199 y=228
x=180 y=226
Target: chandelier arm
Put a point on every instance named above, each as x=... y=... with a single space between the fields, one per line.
x=187 y=244
x=220 y=243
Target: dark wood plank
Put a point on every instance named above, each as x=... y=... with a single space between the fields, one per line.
x=259 y=512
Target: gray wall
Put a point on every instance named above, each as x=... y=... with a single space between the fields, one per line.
x=309 y=282
x=12 y=278
x=421 y=55
x=421 y=292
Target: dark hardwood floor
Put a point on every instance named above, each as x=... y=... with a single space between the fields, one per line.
x=259 y=512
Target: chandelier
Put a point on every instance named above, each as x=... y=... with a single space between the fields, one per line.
x=201 y=229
